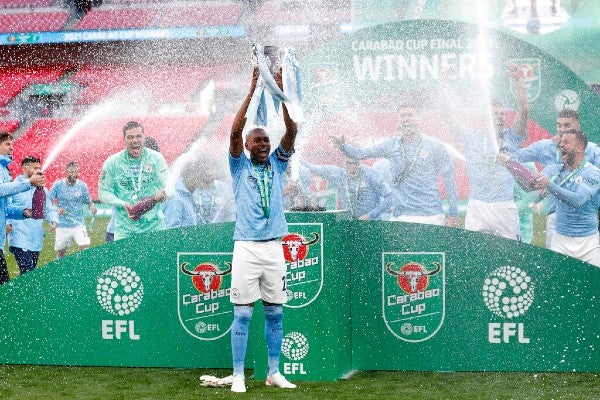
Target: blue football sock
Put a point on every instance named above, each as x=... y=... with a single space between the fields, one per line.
x=239 y=336
x=273 y=335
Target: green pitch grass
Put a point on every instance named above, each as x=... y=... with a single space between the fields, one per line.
x=50 y=383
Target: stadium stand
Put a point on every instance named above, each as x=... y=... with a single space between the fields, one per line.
x=148 y=15
x=36 y=20
x=284 y=12
x=207 y=15
x=117 y=17
x=140 y=1
x=166 y=84
x=9 y=125
x=25 y=3
x=14 y=79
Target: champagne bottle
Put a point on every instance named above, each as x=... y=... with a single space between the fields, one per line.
x=38 y=203
x=142 y=207
x=523 y=175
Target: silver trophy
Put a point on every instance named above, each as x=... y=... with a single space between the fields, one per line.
x=272 y=56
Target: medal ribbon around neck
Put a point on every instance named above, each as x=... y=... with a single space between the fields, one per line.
x=136 y=187
x=264 y=187
x=572 y=175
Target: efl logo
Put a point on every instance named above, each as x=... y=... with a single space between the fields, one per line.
x=295 y=347
x=303 y=252
x=567 y=99
x=508 y=292
x=203 y=288
x=119 y=291
x=413 y=296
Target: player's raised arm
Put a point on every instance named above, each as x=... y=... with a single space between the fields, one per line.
x=236 y=141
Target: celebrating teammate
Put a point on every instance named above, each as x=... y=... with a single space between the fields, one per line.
x=417 y=161
x=547 y=152
x=69 y=195
x=130 y=176
x=576 y=185
x=491 y=207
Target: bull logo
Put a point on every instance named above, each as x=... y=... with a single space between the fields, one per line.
x=203 y=291
x=295 y=246
x=206 y=277
x=413 y=277
x=413 y=298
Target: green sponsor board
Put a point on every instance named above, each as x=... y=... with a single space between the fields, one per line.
x=379 y=295
x=126 y=303
x=316 y=344
x=303 y=252
x=506 y=306
x=568 y=32
x=203 y=288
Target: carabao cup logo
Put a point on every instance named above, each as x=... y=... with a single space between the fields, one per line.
x=529 y=70
x=413 y=297
x=203 y=288
x=303 y=253
x=508 y=292
x=119 y=290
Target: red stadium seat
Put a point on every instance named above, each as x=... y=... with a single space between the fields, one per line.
x=117 y=18
x=276 y=12
x=33 y=21
x=228 y=14
x=25 y=3
x=9 y=125
x=159 y=84
x=13 y=80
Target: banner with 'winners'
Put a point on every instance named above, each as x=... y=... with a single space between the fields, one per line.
x=353 y=85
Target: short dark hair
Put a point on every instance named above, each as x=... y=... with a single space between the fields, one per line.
x=72 y=164
x=579 y=136
x=131 y=125
x=4 y=136
x=568 y=113
x=256 y=129
x=30 y=160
